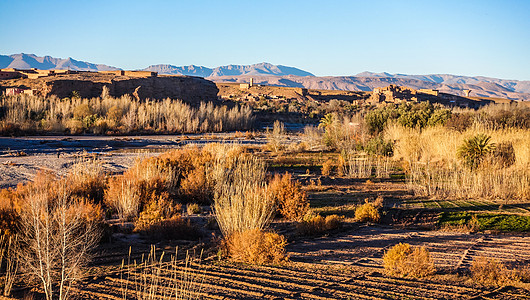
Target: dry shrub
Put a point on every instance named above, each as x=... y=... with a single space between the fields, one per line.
x=490 y=271
x=327 y=168
x=333 y=222
x=86 y=179
x=291 y=201
x=315 y=225
x=123 y=196
x=9 y=211
x=160 y=207
x=193 y=209
x=407 y=261
x=184 y=175
x=9 y=264
x=61 y=228
x=255 y=246
x=367 y=212
x=195 y=186
x=503 y=155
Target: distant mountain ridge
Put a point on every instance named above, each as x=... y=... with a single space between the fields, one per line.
x=230 y=70
x=518 y=86
x=355 y=83
x=269 y=74
x=28 y=61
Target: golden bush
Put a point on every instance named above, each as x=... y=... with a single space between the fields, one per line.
x=407 y=261
x=159 y=207
x=193 y=209
x=256 y=247
x=314 y=225
x=327 y=168
x=367 y=213
x=195 y=186
x=333 y=222
x=291 y=201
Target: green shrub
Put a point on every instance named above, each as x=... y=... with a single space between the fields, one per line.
x=376 y=119
x=439 y=117
x=379 y=146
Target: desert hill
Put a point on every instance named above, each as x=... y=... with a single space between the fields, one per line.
x=89 y=84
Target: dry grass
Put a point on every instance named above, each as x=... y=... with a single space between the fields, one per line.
x=291 y=201
x=276 y=137
x=123 y=196
x=241 y=199
x=117 y=115
x=430 y=158
x=87 y=179
x=155 y=277
x=255 y=246
x=407 y=261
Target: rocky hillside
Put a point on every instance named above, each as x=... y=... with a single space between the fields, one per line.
x=189 y=89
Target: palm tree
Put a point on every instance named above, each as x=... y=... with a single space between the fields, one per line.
x=326 y=121
x=474 y=150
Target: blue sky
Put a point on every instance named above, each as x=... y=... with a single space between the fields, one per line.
x=489 y=38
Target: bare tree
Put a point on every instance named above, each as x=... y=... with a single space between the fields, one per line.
x=57 y=237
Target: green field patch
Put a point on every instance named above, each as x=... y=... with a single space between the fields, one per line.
x=487 y=221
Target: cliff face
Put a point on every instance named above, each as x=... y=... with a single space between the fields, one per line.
x=88 y=85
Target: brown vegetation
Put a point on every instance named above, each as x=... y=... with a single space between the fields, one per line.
x=315 y=225
x=255 y=246
x=291 y=201
x=367 y=212
x=407 y=261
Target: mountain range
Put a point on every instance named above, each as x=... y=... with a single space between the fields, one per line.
x=230 y=70
x=269 y=74
x=28 y=61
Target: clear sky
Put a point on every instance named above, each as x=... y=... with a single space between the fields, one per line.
x=489 y=38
